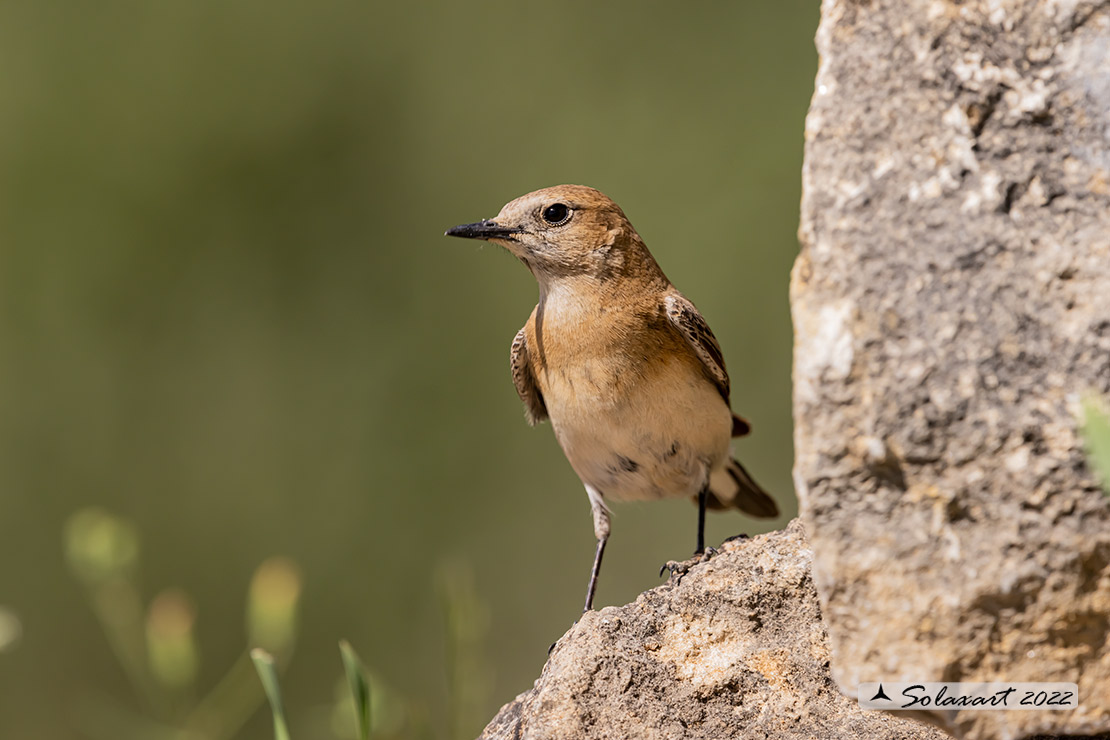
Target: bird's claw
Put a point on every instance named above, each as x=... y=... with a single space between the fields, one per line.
x=682 y=567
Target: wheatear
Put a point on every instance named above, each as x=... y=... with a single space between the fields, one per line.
x=622 y=363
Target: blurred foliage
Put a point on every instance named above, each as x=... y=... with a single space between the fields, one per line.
x=466 y=619
x=228 y=316
x=11 y=629
x=267 y=673
x=104 y=555
x=159 y=651
x=171 y=645
x=272 y=606
x=359 y=684
x=1096 y=436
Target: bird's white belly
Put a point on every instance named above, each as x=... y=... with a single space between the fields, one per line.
x=634 y=437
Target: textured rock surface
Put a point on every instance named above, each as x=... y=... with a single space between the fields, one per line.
x=951 y=301
x=734 y=649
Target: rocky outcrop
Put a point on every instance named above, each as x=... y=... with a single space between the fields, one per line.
x=951 y=302
x=734 y=649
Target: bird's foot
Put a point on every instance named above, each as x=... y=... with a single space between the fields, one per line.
x=679 y=568
x=737 y=538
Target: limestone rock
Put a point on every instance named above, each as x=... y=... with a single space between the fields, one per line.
x=951 y=303
x=733 y=649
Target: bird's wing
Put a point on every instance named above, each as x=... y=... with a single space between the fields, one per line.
x=698 y=335
x=534 y=408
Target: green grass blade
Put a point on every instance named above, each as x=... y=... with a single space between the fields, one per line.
x=360 y=687
x=264 y=664
x=1096 y=434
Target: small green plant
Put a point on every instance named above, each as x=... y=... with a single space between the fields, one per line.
x=359 y=686
x=264 y=664
x=157 y=647
x=1096 y=435
x=357 y=681
x=156 y=643
x=466 y=621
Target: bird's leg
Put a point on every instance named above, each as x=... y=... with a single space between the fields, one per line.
x=593 y=574
x=601 y=531
x=701 y=554
x=702 y=496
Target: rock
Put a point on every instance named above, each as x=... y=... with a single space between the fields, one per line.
x=951 y=302
x=733 y=649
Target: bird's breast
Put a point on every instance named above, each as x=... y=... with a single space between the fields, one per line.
x=636 y=419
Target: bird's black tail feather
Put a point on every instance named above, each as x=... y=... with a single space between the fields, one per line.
x=732 y=487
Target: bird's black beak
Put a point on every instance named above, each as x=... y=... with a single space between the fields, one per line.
x=482 y=230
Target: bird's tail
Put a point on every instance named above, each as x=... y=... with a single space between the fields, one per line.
x=732 y=487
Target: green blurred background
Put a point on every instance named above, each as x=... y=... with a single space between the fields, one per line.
x=228 y=316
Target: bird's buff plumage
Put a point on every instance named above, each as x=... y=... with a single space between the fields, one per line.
x=624 y=366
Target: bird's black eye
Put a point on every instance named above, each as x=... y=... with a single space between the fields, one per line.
x=556 y=214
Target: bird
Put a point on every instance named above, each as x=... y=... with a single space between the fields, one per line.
x=623 y=365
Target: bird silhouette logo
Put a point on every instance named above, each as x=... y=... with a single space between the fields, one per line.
x=880 y=694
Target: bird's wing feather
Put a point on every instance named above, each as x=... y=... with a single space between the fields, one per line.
x=534 y=407
x=685 y=317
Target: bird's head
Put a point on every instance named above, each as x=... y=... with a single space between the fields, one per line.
x=567 y=230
